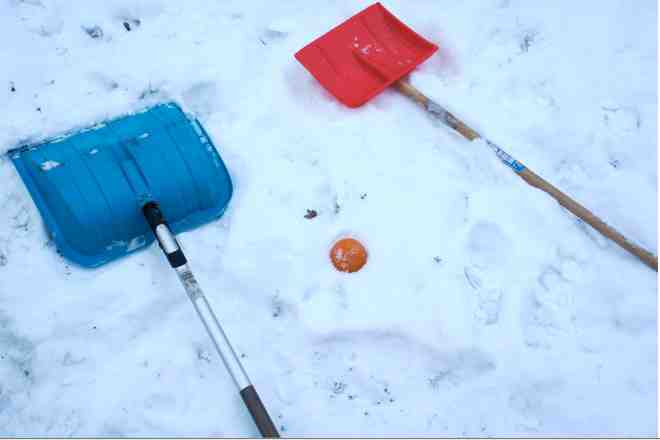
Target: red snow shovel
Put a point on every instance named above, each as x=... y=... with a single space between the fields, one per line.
x=372 y=50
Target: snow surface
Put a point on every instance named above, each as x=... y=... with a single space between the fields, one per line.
x=49 y=165
x=484 y=309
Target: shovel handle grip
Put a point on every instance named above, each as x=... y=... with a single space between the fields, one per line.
x=258 y=412
x=165 y=238
x=529 y=176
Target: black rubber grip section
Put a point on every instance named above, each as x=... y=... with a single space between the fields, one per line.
x=176 y=259
x=259 y=413
x=154 y=216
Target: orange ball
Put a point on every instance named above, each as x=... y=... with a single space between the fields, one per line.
x=348 y=255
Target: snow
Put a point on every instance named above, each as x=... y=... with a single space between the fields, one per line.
x=49 y=165
x=484 y=308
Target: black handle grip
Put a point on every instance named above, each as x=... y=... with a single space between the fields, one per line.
x=153 y=214
x=161 y=230
x=259 y=413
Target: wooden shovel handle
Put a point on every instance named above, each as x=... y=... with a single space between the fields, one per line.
x=588 y=217
x=529 y=176
x=449 y=119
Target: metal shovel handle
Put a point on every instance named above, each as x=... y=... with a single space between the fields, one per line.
x=529 y=176
x=179 y=263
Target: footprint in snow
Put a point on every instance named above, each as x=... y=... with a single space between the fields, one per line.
x=534 y=398
x=488 y=244
x=488 y=247
x=16 y=360
x=370 y=375
x=547 y=312
x=620 y=120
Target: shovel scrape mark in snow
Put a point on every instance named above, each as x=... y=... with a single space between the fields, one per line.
x=489 y=304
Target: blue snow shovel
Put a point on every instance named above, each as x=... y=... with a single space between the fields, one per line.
x=106 y=191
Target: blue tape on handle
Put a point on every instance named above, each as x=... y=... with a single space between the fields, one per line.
x=506 y=158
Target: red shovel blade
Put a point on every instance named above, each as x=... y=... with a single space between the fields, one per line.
x=361 y=57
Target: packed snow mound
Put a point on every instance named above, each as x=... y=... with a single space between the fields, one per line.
x=484 y=309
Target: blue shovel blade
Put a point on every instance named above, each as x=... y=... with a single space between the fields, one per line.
x=89 y=186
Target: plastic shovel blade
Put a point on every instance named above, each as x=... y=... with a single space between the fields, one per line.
x=90 y=185
x=361 y=57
